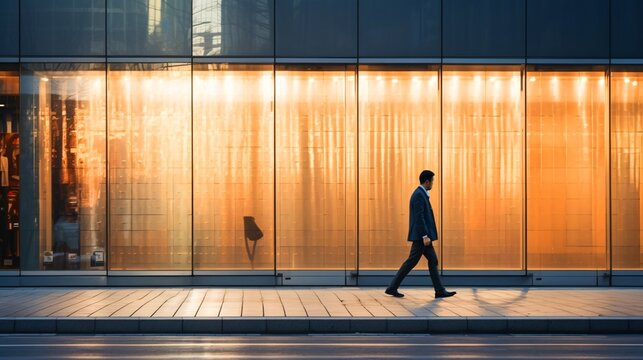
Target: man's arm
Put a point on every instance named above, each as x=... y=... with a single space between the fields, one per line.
x=418 y=212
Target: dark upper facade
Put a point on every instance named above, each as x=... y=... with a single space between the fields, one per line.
x=542 y=30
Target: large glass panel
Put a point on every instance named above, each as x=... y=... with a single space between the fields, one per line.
x=316 y=170
x=9 y=19
x=63 y=181
x=150 y=166
x=316 y=28
x=483 y=117
x=62 y=27
x=399 y=136
x=566 y=169
x=627 y=169
x=233 y=167
x=149 y=27
x=401 y=28
x=9 y=167
x=232 y=28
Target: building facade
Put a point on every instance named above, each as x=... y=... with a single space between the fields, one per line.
x=263 y=142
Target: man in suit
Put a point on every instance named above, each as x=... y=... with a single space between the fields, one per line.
x=422 y=233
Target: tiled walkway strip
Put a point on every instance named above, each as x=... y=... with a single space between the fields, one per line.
x=319 y=310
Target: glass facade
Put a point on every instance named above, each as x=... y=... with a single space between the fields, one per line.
x=9 y=168
x=234 y=177
x=483 y=118
x=64 y=118
x=148 y=27
x=225 y=167
x=567 y=169
x=285 y=137
x=150 y=166
x=627 y=142
x=399 y=134
x=316 y=167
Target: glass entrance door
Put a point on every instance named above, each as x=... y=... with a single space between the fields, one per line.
x=315 y=174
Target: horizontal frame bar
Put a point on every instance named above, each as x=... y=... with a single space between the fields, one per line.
x=283 y=60
x=235 y=60
x=432 y=61
x=484 y=61
x=63 y=272
x=568 y=61
x=150 y=273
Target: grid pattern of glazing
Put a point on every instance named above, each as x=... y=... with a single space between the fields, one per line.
x=285 y=158
x=482 y=114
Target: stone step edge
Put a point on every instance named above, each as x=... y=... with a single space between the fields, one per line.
x=323 y=325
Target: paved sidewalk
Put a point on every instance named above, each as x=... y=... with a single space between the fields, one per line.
x=314 y=310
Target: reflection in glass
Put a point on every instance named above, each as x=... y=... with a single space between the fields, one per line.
x=483 y=166
x=9 y=167
x=223 y=27
x=233 y=167
x=627 y=168
x=399 y=136
x=566 y=169
x=62 y=27
x=148 y=27
x=64 y=111
x=149 y=108
x=316 y=167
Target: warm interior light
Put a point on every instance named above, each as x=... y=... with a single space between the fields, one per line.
x=566 y=147
x=635 y=83
x=532 y=79
x=627 y=80
x=1 y=105
x=45 y=79
x=482 y=113
x=399 y=128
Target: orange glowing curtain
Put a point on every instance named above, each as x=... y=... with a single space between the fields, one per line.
x=627 y=165
x=483 y=168
x=149 y=114
x=566 y=169
x=316 y=170
x=233 y=167
x=399 y=136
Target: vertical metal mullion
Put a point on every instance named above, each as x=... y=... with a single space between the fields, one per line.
x=274 y=142
x=107 y=179
x=191 y=141
x=523 y=85
x=608 y=79
x=523 y=82
x=441 y=152
x=356 y=89
x=608 y=211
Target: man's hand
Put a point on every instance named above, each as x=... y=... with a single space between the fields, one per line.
x=426 y=240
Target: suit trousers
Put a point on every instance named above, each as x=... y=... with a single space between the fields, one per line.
x=417 y=250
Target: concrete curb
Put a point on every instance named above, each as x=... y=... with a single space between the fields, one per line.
x=305 y=325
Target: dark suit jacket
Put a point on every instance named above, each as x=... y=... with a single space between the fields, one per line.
x=421 y=219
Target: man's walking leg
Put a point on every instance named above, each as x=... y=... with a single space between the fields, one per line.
x=414 y=257
x=432 y=258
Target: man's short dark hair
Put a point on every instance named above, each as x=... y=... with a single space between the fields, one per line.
x=426 y=175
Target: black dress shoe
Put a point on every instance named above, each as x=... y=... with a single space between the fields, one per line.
x=393 y=293
x=444 y=294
